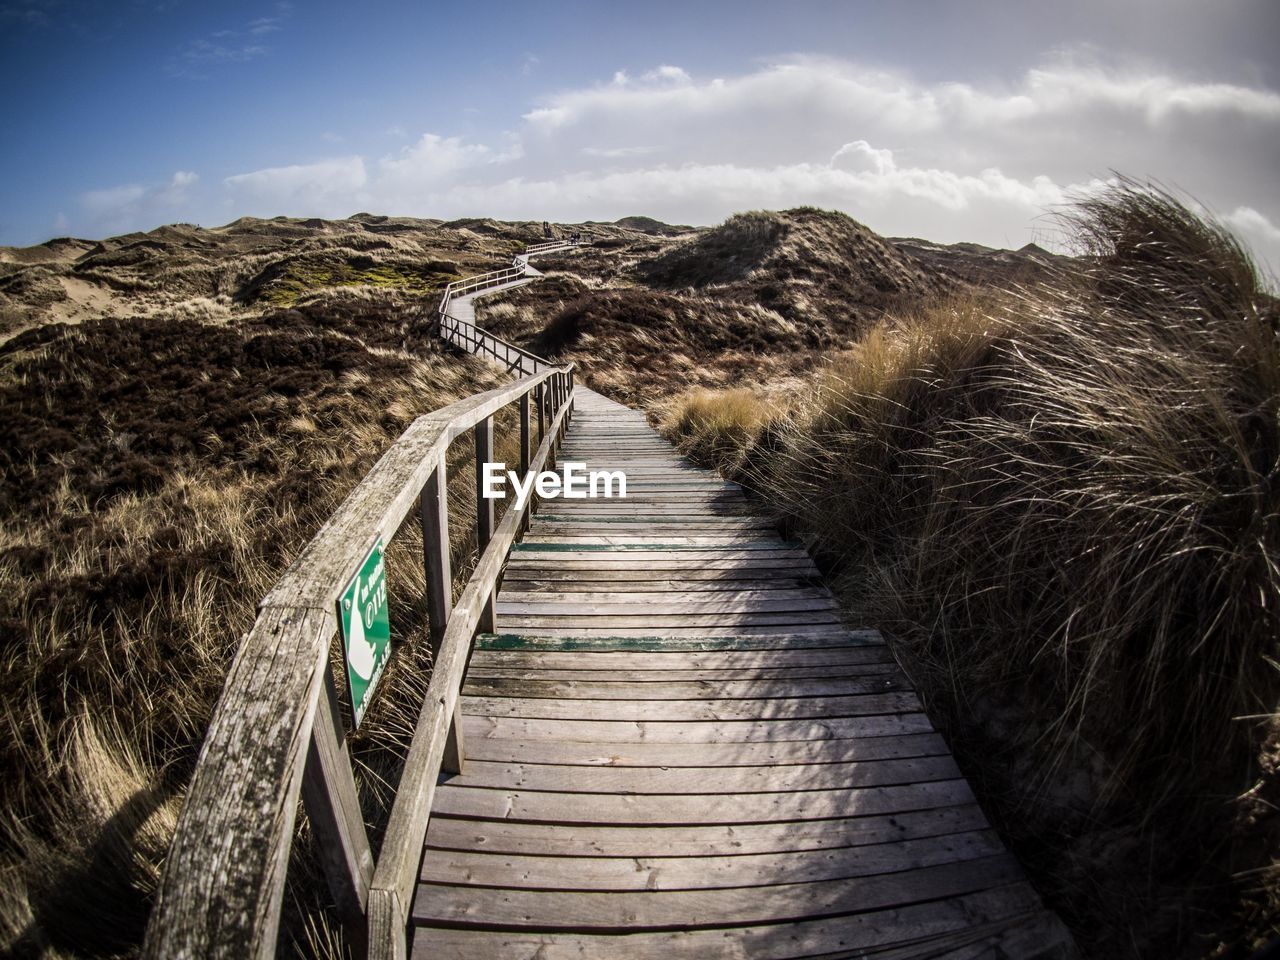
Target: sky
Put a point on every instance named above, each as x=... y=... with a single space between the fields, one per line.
x=971 y=121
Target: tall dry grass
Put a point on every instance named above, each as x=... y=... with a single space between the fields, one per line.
x=1065 y=502
x=124 y=595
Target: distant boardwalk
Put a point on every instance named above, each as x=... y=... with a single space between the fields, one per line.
x=676 y=750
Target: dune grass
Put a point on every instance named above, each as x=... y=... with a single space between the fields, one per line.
x=162 y=473
x=1065 y=503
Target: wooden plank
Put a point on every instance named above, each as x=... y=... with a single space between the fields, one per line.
x=534 y=577
x=699 y=840
x=694 y=568
x=401 y=848
x=749 y=549
x=611 y=540
x=665 y=676
x=790 y=708
x=585 y=594
x=661 y=619
x=561 y=633
x=231 y=844
x=772 y=640
x=611 y=734
x=773 y=691
x=604 y=754
x=333 y=809
x=678 y=605
x=857 y=934
x=675 y=810
x=704 y=780
x=523 y=586
x=650 y=528
x=705 y=872
x=708 y=840
x=679 y=660
x=689 y=909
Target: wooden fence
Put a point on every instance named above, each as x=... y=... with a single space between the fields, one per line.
x=277 y=733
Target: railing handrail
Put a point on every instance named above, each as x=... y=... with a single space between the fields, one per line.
x=478 y=335
x=275 y=732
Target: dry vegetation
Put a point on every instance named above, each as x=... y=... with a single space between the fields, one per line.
x=1064 y=501
x=161 y=475
x=764 y=299
x=166 y=454
x=1053 y=481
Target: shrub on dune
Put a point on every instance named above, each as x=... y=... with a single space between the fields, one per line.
x=1068 y=500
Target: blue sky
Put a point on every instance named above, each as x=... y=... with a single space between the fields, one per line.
x=947 y=121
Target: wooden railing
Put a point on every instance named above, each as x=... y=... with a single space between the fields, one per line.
x=471 y=338
x=277 y=733
x=549 y=246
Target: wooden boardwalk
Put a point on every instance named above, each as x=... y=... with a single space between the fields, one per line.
x=675 y=749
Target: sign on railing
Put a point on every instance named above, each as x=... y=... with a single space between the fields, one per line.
x=366 y=629
x=277 y=734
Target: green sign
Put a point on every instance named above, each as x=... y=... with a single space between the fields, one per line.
x=366 y=629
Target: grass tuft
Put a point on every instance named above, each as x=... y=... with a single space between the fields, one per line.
x=1066 y=502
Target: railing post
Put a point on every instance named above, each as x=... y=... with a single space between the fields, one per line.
x=434 y=509
x=524 y=434
x=333 y=807
x=542 y=410
x=484 y=510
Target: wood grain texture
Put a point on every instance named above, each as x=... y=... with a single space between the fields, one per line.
x=223 y=881
x=672 y=730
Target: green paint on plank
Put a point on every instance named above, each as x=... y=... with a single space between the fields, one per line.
x=512 y=641
x=580 y=547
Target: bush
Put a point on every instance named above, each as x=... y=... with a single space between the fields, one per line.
x=1066 y=501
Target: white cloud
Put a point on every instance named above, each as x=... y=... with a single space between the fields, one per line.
x=667 y=74
x=615 y=153
x=433 y=157
x=228 y=46
x=130 y=205
x=943 y=160
x=325 y=188
x=1250 y=221
x=861 y=156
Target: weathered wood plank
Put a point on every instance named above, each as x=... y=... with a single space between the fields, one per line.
x=534 y=577
x=675 y=810
x=844 y=936
x=679 y=661
x=773 y=639
x=685 y=606
x=407 y=825
x=333 y=809
x=705 y=780
x=679 y=593
x=620 y=732
x=705 y=872
x=660 y=620
x=665 y=676
x=698 y=840
x=780 y=709
x=722 y=754
x=712 y=691
x=689 y=909
x=223 y=883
